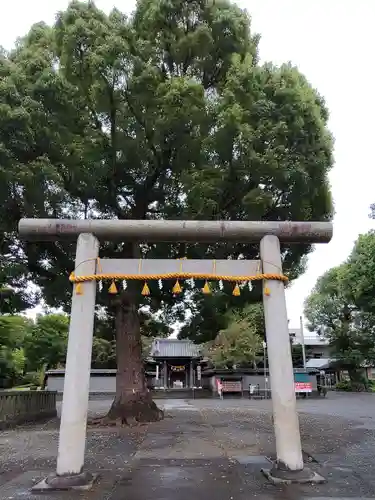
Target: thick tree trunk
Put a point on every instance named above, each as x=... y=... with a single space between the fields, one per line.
x=133 y=402
x=357 y=380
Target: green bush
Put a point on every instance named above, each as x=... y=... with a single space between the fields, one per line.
x=357 y=386
x=344 y=385
x=32 y=379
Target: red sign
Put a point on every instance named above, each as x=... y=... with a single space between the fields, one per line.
x=302 y=386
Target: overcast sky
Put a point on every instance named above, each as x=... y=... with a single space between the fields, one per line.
x=332 y=43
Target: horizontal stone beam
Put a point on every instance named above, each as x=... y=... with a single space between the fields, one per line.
x=175 y=230
x=166 y=266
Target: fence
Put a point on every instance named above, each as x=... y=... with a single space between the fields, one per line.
x=18 y=407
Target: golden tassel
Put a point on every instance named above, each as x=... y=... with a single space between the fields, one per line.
x=79 y=289
x=113 y=288
x=206 y=289
x=267 y=291
x=236 y=291
x=177 y=288
x=145 y=289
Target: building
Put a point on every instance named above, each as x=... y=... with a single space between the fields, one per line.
x=172 y=364
x=178 y=369
x=175 y=364
x=316 y=347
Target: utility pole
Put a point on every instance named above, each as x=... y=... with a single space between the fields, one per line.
x=302 y=342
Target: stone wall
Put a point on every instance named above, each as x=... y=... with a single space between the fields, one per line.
x=19 y=407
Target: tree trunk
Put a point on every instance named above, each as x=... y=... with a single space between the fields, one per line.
x=357 y=380
x=133 y=401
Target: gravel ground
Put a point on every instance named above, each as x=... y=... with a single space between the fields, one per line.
x=201 y=448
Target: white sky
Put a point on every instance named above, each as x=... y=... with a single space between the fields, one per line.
x=332 y=43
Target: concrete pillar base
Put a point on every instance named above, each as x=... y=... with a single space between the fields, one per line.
x=278 y=475
x=83 y=481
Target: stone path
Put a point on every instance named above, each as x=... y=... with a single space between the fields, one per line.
x=200 y=450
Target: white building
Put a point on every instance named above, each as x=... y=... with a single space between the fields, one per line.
x=317 y=348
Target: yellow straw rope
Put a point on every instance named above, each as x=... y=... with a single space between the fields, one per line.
x=169 y=276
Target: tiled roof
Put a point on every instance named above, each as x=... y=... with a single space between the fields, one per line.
x=173 y=348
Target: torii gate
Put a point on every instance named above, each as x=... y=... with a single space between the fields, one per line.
x=289 y=465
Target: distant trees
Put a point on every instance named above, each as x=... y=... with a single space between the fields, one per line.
x=13 y=331
x=46 y=343
x=240 y=343
x=342 y=308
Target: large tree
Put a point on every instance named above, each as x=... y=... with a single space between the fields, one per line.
x=165 y=114
x=332 y=313
x=360 y=276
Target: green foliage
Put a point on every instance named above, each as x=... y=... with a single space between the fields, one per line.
x=344 y=385
x=12 y=364
x=137 y=118
x=103 y=353
x=13 y=331
x=240 y=343
x=166 y=114
x=45 y=346
x=331 y=312
x=34 y=379
x=353 y=386
x=360 y=276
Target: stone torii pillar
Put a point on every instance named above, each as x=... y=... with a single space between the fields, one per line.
x=72 y=438
x=289 y=464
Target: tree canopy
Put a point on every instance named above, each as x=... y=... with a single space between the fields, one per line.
x=165 y=114
x=137 y=117
x=13 y=331
x=240 y=343
x=332 y=312
x=45 y=346
x=360 y=276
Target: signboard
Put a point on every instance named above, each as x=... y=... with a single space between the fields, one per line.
x=302 y=386
x=302 y=382
x=232 y=386
x=177 y=368
x=199 y=372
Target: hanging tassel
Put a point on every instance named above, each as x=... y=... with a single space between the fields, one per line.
x=124 y=284
x=206 y=289
x=267 y=291
x=177 y=288
x=160 y=283
x=236 y=291
x=113 y=288
x=250 y=286
x=79 y=289
x=145 y=289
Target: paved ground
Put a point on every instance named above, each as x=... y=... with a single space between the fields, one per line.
x=205 y=448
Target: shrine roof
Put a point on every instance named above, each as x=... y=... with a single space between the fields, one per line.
x=174 y=348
